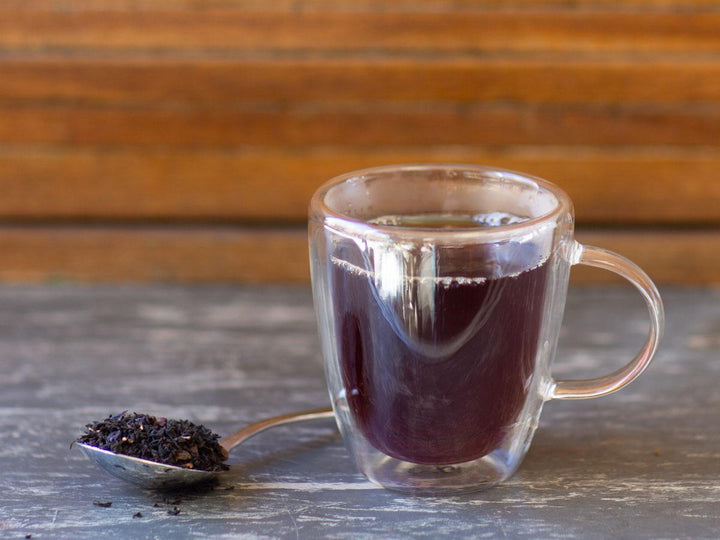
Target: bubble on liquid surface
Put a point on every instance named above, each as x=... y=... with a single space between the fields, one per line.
x=449 y=220
x=497 y=219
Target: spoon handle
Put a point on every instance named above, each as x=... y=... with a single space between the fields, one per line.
x=231 y=441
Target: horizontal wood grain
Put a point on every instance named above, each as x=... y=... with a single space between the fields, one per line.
x=273 y=184
x=355 y=5
x=237 y=255
x=160 y=81
x=235 y=29
x=669 y=257
x=369 y=124
x=180 y=140
x=153 y=254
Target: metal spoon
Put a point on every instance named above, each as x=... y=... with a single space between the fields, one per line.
x=153 y=475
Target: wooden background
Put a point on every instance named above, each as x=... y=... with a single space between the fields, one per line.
x=180 y=140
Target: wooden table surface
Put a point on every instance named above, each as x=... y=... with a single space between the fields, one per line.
x=643 y=463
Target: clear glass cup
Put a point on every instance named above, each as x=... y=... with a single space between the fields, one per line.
x=439 y=292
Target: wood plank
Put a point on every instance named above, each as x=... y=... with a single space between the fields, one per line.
x=680 y=257
x=163 y=81
x=153 y=254
x=354 y=5
x=370 y=124
x=237 y=255
x=608 y=185
x=239 y=30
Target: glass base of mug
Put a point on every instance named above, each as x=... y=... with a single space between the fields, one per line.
x=414 y=479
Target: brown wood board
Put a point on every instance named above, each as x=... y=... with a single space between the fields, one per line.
x=640 y=185
x=227 y=30
x=360 y=125
x=237 y=255
x=156 y=80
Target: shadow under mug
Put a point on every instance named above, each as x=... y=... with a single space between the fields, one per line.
x=439 y=292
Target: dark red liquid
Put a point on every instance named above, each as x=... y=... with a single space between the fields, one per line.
x=450 y=389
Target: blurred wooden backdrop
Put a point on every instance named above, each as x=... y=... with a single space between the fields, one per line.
x=180 y=140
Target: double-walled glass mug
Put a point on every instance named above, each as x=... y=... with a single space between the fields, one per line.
x=439 y=292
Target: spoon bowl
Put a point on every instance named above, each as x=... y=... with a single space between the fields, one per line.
x=145 y=473
x=153 y=475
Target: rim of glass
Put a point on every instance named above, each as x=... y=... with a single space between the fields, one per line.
x=319 y=206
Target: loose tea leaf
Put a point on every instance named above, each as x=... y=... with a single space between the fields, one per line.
x=172 y=442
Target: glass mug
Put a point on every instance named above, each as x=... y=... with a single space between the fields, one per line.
x=439 y=292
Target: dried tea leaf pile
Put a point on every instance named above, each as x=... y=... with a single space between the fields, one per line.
x=172 y=442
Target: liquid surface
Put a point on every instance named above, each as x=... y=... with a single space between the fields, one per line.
x=437 y=371
x=450 y=220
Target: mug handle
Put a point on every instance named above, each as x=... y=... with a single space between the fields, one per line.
x=601 y=386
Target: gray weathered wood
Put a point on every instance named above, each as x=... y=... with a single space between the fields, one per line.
x=643 y=463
